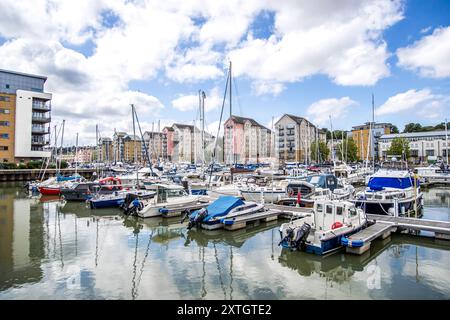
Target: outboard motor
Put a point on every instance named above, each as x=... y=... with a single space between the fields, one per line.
x=131 y=204
x=194 y=221
x=296 y=237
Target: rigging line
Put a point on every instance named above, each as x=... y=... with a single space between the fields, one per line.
x=54 y=238
x=218 y=132
x=76 y=237
x=220 y=273
x=238 y=98
x=143 y=263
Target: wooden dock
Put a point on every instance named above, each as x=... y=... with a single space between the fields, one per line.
x=383 y=226
x=239 y=222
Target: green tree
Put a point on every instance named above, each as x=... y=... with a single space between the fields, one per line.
x=394 y=129
x=350 y=150
x=399 y=147
x=323 y=151
x=413 y=127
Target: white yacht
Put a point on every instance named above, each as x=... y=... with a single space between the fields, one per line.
x=168 y=196
x=391 y=192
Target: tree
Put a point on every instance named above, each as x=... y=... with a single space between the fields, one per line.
x=323 y=151
x=412 y=127
x=399 y=147
x=394 y=129
x=350 y=150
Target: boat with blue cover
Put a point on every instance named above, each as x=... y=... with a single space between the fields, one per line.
x=321 y=232
x=224 y=207
x=391 y=192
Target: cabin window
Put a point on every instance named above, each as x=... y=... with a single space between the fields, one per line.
x=339 y=211
x=352 y=212
x=319 y=208
x=329 y=209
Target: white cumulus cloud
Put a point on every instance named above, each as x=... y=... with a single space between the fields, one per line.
x=320 y=111
x=429 y=56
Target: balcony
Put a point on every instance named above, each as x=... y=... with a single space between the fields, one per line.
x=40 y=118
x=39 y=141
x=40 y=130
x=40 y=106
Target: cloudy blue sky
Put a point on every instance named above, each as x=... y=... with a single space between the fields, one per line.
x=310 y=58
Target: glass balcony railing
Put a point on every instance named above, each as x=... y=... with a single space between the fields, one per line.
x=41 y=106
x=40 y=117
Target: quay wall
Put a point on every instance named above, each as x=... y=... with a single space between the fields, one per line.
x=34 y=174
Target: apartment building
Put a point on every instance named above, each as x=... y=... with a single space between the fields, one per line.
x=133 y=149
x=157 y=144
x=119 y=146
x=107 y=154
x=422 y=145
x=24 y=117
x=361 y=135
x=246 y=141
x=293 y=138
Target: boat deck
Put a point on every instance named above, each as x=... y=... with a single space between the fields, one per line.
x=174 y=212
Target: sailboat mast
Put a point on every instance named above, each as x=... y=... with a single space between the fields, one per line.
x=134 y=143
x=231 y=109
x=446 y=141
x=61 y=150
x=372 y=137
x=76 y=153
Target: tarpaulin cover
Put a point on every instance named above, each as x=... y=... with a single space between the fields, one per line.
x=379 y=183
x=222 y=206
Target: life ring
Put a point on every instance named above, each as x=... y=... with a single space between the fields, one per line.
x=336 y=225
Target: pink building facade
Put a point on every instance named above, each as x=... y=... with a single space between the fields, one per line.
x=246 y=141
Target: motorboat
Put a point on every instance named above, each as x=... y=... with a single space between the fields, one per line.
x=226 y=207
x=433 y=175
x=317 y=187
x=321 y=231
x=168 y=197
x=268 y=194
x=391 y=192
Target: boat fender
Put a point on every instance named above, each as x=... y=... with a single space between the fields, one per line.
x=336 y=225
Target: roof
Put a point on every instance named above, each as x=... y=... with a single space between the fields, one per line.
x=297 y=119
x=168 y=128
x=184 y=126
x=367 y=125
x=132 y=137
x=23 y=74
x=414 y=134
x=242 y=120
x=106 y=139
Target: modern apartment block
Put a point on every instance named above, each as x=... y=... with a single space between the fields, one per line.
x=422 y=145
x=107 y=150
x=293 y=139
x=246 y=141
x=133 y=149
x=157 y=144
x=119 y=146
x=24 y=117
x=361 y=134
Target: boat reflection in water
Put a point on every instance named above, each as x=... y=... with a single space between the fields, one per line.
x=61 y=250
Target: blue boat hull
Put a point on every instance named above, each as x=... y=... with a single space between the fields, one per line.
x=110 y=203
x=327 y=246
x=199 y=192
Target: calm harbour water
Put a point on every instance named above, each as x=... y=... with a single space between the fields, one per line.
x=49 y=250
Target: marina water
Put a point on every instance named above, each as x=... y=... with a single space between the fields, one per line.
x=52 y=250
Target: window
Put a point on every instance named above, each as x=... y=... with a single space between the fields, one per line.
x=319 y=207
x=339 y=211
x=4 y=98
x=5 y=111
x=4 y=123
x=4 y=135
x=7 y=86
x=3 y=148
x=329 y=209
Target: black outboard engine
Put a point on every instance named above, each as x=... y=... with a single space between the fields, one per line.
x=299 y=236
x=296 y=237
x=201 y=214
